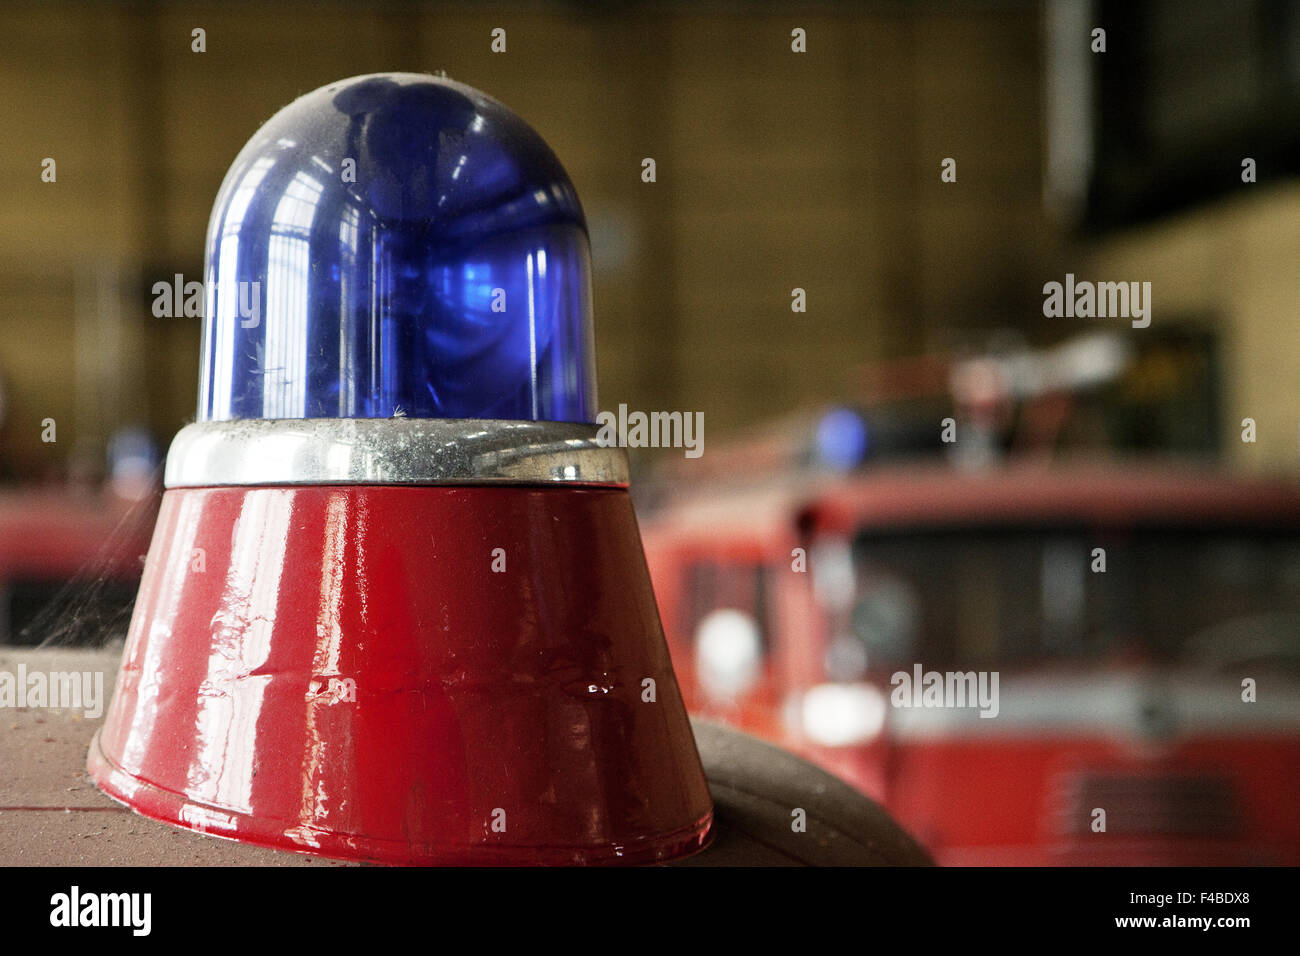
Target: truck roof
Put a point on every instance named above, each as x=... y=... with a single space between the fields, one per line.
x=1114 y=493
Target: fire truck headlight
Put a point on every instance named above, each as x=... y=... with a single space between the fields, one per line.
x=840 y=715
x=729 y=653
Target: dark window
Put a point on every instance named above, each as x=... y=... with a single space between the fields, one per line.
x=1186 y=91
x=1010 y=595
x=711 y=586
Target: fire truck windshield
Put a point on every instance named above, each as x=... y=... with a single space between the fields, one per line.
x=1009 y=595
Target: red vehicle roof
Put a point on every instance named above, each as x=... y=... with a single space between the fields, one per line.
x=56 y=533
x=1114 y=493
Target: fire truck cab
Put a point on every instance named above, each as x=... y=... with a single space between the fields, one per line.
x=1123 y=641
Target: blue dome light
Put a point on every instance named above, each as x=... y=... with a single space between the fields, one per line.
x=842 y=439
x=397 y=244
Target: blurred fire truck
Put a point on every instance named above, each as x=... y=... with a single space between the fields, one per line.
x=71 y=553
x=1138 y=622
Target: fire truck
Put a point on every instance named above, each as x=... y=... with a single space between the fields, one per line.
x=69 y=564
x=1126 y=632
x=71 y=551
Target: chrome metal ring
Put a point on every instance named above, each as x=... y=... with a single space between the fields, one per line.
x=403 y=451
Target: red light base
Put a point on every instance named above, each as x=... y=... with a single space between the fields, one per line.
x=409 y=675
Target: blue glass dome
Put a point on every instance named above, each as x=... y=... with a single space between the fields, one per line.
x=397 y=244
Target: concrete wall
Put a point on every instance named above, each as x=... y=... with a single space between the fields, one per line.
x=1237 y=263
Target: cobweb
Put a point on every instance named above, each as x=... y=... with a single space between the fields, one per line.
x=93 y=608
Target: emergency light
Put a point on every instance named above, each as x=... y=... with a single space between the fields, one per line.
x=396 y=606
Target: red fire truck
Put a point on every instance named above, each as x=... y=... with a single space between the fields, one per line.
x=69 y=564
x=1127 y=637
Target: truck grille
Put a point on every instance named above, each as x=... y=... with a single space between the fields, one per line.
x=1149 y=804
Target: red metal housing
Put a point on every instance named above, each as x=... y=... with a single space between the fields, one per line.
x=416 y=675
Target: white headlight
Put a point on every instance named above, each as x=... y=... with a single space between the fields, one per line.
x=838 y=715
x=728 y=653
